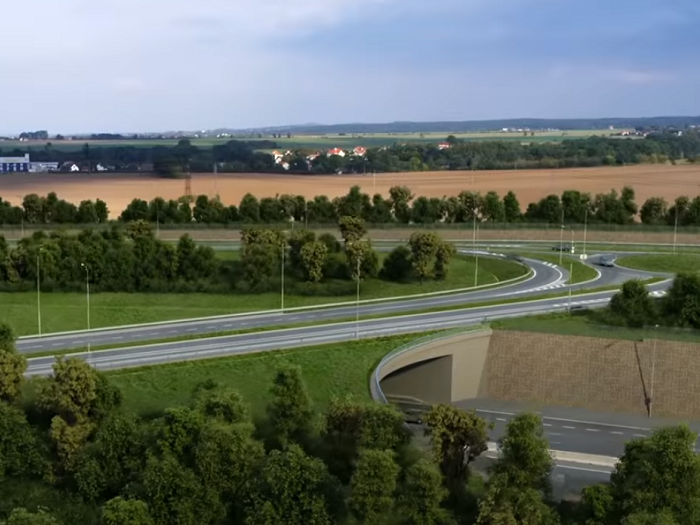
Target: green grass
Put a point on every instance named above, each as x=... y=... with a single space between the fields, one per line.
x=581 y=272
x=68 y=311
x=329 y=370
x=668 y=263
x=587 y=324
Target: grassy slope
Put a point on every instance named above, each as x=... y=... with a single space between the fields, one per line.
x=581 y=272
x=68 y=311
x=583 y=325
x=669 y=263
x=329 y=370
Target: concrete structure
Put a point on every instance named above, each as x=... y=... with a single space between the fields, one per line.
x=14 y=164
x=42 y=167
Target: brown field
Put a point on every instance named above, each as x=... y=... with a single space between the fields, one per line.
x=530 y=185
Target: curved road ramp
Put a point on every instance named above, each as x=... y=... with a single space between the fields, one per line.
x=453 y=369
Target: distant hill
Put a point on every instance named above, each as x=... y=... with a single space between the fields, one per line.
x=480 y=125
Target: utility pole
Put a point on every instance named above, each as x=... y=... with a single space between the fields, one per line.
x=357 y=304
x=585 y=231
x=87 y=283
x=38 y=292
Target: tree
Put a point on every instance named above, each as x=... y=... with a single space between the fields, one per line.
x=445 y=251
x=421 y=497
x=424 y=247
x=397 y=265
x=658 y=474
x=12 y=366
x=71 y=392
x=20 y=446
x=291 y=490
x=372 y=486
x=457 y=437
x=682 y=302
x=313 y=260
x=493 y=209
x=504 y=504
x=119 y=511
x=290 y=410
x=632 y=304
x=401 y=197
x=654 y=211
x=511 y=207
x=24 y=517
x=524 y=457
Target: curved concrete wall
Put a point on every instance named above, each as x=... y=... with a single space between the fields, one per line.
x=441 y=370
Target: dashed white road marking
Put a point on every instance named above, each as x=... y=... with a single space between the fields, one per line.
x=616 y=433
x=592 y=430
x=570 y=428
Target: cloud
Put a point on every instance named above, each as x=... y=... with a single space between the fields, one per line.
x=140 y=65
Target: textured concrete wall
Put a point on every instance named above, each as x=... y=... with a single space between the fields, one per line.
x=596 y=373
x=422 y=369
x=430 y=381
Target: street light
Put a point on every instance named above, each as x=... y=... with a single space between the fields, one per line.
x=585 y=231
x=571 y=279
x=87 y=284
x=21 y=207
x=476 y=254
x=284 y=254
x=561 y=238
x=38 y=290
x=357 y=303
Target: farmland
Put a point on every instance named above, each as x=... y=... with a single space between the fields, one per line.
x=320 y=141
x=648 y=180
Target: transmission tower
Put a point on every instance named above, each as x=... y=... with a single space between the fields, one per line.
x=188 y=184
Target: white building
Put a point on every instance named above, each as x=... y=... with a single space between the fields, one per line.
x=14 y=164
x=43 y=167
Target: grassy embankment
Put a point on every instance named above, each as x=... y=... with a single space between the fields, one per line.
x=587 y=323
x=329 y=370
x=67 y=311
x=668 y=263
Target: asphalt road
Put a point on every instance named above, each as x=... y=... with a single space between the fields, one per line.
x=545 y=278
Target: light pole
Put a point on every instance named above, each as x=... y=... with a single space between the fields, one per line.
x=38 y=291
x=87 y=287
x=357 y=303
x=653 y=369
x=476 y=263
x=561 y=238
x=284 y=254
x=21 y=207
x=675 y=230
x=571 y=278
x=585 y=231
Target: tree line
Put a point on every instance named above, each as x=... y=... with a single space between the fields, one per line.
x=402 y=206
x=132 y=259
x=70 y=453
x=679 y=308
x=245 y=156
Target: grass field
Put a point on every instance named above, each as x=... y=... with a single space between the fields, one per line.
x=580 y=272
x=68 y=311
x=585 y=324
x=320 y=141
x=668 y=263
x=329 y=370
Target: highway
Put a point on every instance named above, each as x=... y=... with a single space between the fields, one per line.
x=545 y=278
x=569 y=434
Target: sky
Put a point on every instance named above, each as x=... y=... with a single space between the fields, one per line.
x=74 y=66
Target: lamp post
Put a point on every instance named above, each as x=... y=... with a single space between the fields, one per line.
x=476 y=254
x=675 y=230
x=21 y=207
x=561 y=238
x=585 y=231
x=284 y=254
x=653 y=369
x=87 y=287
x=357 y=303
x=571 y=278
x=38 y=291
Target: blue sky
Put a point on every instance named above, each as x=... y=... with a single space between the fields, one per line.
x=149 y=65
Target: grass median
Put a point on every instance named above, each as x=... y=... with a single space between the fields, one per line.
x=68 y=311
x=329 y=370
x=668 y=263
x=580 y=272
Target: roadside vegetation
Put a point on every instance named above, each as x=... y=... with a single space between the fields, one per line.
x=75 y=449
x=667 y=263
x=135 y=277
x=580 y=272
x=631 y=314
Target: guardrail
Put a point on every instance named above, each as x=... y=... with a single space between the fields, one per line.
x=515 y=280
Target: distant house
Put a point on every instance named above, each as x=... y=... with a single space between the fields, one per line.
x=313 y=156
x=70 y=166
x=285 y=165
x=359 y=151
x=100 y=167
x=43 y=167
x=444 y=145
x=336 y=151
x=278 y=156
